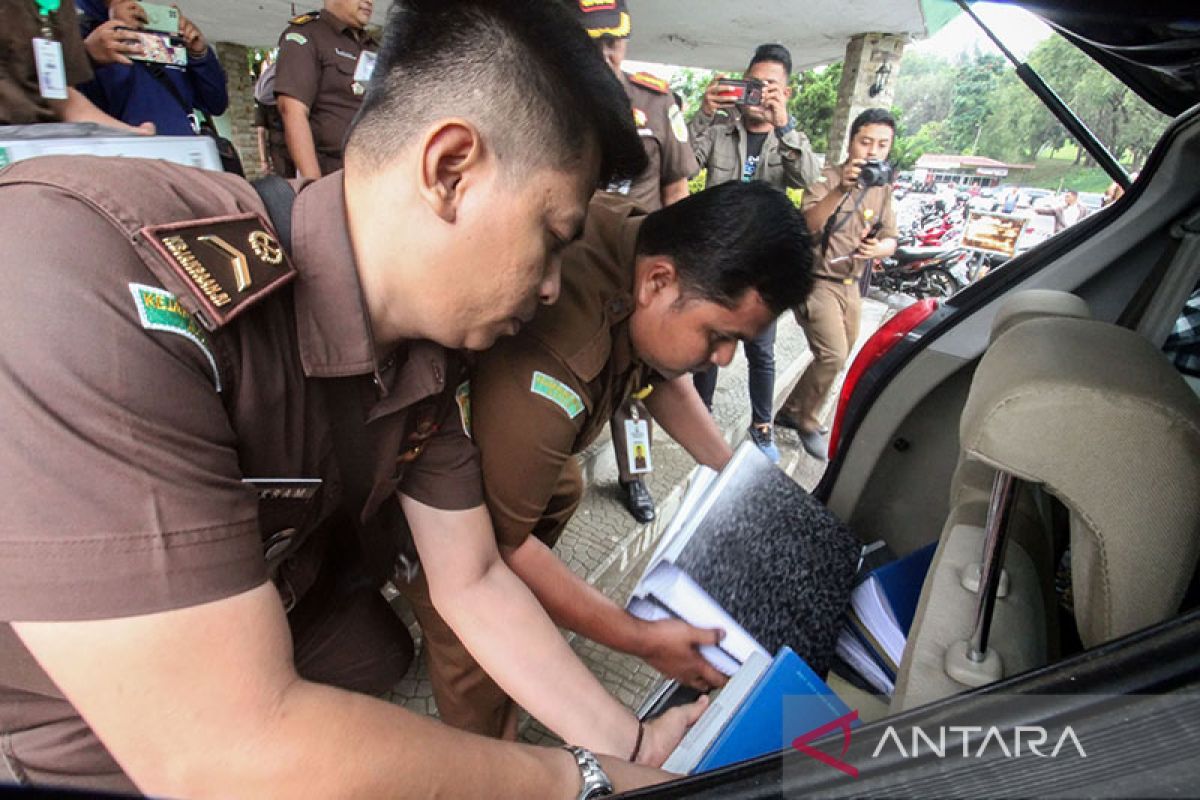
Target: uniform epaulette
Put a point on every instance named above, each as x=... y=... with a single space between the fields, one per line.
x=304 y=19
x=650 y=82
x=219 y=267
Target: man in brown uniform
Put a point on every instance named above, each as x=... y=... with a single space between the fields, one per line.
x=326 y=59
x=664 y=134
x=46 y=33
x=852 y=225
x=210 y=413
x=645 y=301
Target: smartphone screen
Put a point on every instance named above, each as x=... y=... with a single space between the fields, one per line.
x=159 y=48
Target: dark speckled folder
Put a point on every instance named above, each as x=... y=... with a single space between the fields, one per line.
x=777 y=560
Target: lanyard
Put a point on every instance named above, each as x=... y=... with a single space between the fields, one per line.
x=45 y=9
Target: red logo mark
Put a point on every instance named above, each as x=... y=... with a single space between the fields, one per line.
x=801 y=743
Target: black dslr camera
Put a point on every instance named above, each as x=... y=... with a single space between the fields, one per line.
x=875 y=173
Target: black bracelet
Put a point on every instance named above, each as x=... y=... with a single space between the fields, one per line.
x=637 y=746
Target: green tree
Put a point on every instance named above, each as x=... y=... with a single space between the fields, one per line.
x=975 y=79
x=814 y=98
x=924 y=89
x=690 y=84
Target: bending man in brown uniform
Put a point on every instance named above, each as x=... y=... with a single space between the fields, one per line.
x=851 y=225
x=208 y=413
x=645 y=301
x=664 y=134
x=326 y=59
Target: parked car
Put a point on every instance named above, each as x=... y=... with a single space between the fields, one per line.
x=928 y=443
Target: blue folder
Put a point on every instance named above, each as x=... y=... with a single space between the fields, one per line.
x=761 y=726
x=902 y=580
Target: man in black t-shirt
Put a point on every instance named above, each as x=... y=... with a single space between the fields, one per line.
x=748 y=143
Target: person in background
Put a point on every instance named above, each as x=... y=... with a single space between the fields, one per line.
x=664 y=134
x=852 y=225
x=1066 y=213
x=326 y=59
x=754 y=143
x=273 y=156
x=136 y=90
x=49 y=30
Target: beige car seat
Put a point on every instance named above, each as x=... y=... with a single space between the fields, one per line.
x=1096 y=418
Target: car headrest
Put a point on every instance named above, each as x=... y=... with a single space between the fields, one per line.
x=1036 y=303
x=1099 y=417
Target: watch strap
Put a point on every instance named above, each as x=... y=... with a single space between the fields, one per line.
x=595 y=780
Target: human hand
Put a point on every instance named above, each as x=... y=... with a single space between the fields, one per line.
x=674 y=650
x=197 y=45
x=662 y=735
x=128 y=13
x=775 y=104
x=112 y=43
x=850 y=171
x=716 y=98
x=870 y=248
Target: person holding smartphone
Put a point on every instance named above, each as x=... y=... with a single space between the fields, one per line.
x=741 y=141
x=853 y=223
x=147 y=75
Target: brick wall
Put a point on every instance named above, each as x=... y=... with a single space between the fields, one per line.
x=238 y=121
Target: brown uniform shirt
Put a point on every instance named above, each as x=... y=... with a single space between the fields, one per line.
x=860 y=210
x=21 y=102
x=127 y=430
x=664 y=135
x=545 y=394
x=317 y=57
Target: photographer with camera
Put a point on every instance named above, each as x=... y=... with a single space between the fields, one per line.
x=849 y=211
x=744 y=133
x=159 y=70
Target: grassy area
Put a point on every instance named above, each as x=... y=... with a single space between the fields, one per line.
x=1059 y=170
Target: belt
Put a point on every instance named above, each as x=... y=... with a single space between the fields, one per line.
x=844 y=281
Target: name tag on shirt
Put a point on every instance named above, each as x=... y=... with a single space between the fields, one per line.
x=52 y=73
x=637 y=444
x=365 y=67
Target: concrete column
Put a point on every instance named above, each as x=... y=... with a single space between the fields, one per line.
x=865 y=53
x=237 y=123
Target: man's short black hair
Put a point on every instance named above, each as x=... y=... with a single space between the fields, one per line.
x=873 y=116
x=523 y=71
x=733 y=237
x=772 y=52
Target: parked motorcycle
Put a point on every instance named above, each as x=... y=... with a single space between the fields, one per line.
x=920 y=271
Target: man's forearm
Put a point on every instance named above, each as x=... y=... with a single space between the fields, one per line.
x=572 y=602
x=77 y=108
x=540 y=672
x=298 y=134
x=677 y=407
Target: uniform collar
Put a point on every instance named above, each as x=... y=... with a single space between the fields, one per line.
x=332 y=325
x=340 y=27
x=333 y=328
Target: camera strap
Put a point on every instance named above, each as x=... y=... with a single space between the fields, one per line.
x=836 y=221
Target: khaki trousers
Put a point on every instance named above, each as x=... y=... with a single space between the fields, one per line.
x=830 y=319
x=467 y=698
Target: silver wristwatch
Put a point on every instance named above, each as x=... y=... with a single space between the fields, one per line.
x=595 y=779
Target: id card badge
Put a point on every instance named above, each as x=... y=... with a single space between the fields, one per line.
x=52 y=73
x=365 y=67
x=637 y=446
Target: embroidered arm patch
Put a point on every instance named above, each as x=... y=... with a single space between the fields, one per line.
x=159 y=310
x=558 y=393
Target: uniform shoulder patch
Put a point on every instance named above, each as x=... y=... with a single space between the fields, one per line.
x=226 y=264
x=645 y=79
x=298 y=38
x=678 y=123
x=159 y=310
x=304 y=19
x=557 y=392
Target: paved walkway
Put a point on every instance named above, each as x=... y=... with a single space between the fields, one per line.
x=604 y=544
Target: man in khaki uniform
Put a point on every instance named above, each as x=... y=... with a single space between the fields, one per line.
x=326 y=59
x=645 y=301
x=738 y=142
x=852 y=226
x=214 y=457
x=664 y=134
